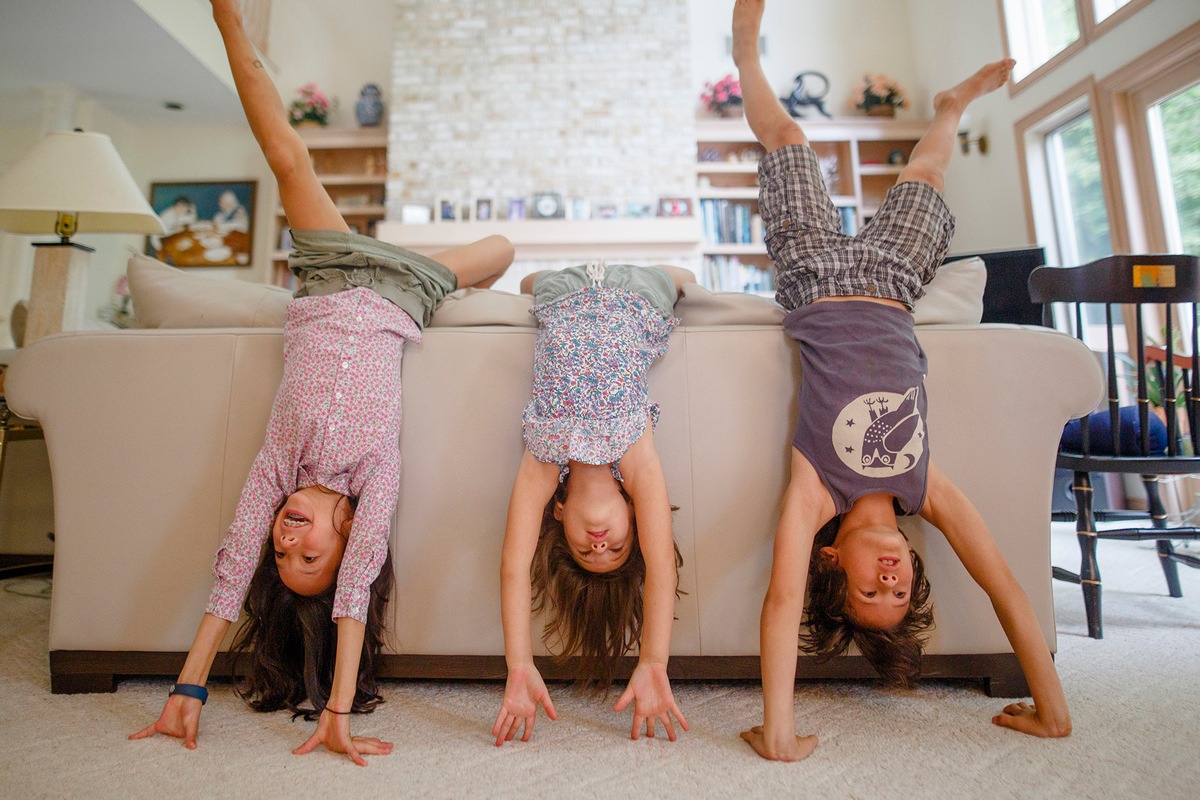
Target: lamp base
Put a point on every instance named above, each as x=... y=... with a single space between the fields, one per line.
x=56 y=299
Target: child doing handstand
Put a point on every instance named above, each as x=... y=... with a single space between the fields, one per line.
x=859 y=452
x=308 y=546
x=588 y=535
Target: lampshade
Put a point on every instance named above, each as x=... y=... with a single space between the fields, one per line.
x=76 y=173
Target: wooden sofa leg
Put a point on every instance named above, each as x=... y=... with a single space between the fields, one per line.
x=1011 y=685
x=82 y=682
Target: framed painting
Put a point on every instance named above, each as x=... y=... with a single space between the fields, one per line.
x=209 y=223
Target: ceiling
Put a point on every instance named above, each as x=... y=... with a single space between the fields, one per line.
x=112 y=52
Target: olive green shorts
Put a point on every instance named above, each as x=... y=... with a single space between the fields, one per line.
x=326 y=262
x=652 y=283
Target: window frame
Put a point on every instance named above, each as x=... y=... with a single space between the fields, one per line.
x=1089 y=31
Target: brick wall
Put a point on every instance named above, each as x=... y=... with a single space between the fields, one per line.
x=505 y=98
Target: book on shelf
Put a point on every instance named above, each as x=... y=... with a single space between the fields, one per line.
x=849 y=222
x=730 y=274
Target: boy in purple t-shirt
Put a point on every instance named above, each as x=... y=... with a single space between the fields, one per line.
x=860 y=450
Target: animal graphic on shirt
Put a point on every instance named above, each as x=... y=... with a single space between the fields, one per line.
x=881 y=434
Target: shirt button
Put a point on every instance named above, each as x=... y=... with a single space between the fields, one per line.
x=338 y=395
x=345 y=365
x=358 y=318
x=350 y=338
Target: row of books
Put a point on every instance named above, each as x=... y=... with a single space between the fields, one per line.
x=735 y=222
x=730 y=222
x=730 y=274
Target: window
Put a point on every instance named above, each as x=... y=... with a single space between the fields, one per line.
x=1076 y=193
x=1038 y=30
x=1041 y=33
x=1174 y=127
x=1103 y=9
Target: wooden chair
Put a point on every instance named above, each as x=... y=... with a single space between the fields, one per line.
x=1169 y=287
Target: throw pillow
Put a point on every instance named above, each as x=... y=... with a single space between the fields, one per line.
x=166 y=297
x=465 y=308
x=954 y=296
x=698 y=306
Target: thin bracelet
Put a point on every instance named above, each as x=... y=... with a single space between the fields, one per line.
x=331 y=711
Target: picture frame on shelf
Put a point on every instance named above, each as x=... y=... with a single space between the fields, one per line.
x=578 y=207
x=446 y=210
x=675 y=207
x=516 y=208
x=208 y=223
x=547 y=205
x=285 y=238
x=639 y=210
x=484 y=208
x=413 y=214
x=466 y=212
x=605 y=211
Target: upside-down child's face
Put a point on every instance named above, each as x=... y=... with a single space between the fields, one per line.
x=879 y=574
x=596 y=520
x=308 y=539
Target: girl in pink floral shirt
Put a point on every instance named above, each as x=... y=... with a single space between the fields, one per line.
x=308 y=546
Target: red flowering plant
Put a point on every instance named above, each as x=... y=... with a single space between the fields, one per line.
x=723 y=97
x=310 y=105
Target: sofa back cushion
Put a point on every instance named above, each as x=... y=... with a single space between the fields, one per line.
x=166 y=297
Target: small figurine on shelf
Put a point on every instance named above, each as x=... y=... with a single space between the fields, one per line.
x=803 y=96
x=369 y=108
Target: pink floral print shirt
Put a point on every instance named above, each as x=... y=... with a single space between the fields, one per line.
x=590 y=400
x=335 y=422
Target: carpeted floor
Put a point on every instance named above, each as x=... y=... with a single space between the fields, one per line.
x=1133 y=700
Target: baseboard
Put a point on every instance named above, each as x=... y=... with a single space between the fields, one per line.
x=82 y=671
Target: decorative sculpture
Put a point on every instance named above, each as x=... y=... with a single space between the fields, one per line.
x=803 y=96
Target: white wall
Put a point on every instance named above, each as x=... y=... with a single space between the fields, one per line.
x=951 y=38
x=339 y=46
x=842 y=40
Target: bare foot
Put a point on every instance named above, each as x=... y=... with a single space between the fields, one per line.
x=988 y=79
x=747 y=21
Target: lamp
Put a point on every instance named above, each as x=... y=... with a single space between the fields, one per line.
x=70 y=182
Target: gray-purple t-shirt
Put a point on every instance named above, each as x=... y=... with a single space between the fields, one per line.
x=861 y=415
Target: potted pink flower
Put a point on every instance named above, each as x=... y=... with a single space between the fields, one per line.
x=723 y=98
x=311 y=107
x=879 y=96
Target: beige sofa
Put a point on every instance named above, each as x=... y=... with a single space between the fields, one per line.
x=151 y=432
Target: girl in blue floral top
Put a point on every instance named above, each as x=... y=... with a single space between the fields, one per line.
x=588 y=536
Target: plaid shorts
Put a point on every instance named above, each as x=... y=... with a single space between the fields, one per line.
x=892 y=257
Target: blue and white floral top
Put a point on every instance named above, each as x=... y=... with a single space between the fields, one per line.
x=590 y=400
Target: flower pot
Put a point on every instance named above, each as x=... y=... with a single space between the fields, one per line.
x=307 y=123
x=881 y=111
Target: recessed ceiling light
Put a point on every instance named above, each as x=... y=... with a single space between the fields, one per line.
x=173 y=106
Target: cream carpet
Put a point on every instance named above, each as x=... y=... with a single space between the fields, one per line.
x=1133 y=700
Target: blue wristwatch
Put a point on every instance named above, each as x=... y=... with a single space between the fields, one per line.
x=190 y=690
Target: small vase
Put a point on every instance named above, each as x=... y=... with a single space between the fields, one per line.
x=369 y=108
x=307 y=123
x=730 y=111
x=881 y=111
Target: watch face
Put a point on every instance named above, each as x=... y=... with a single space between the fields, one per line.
x=547 y=206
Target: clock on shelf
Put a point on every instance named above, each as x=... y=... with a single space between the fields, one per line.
x=548 y=205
